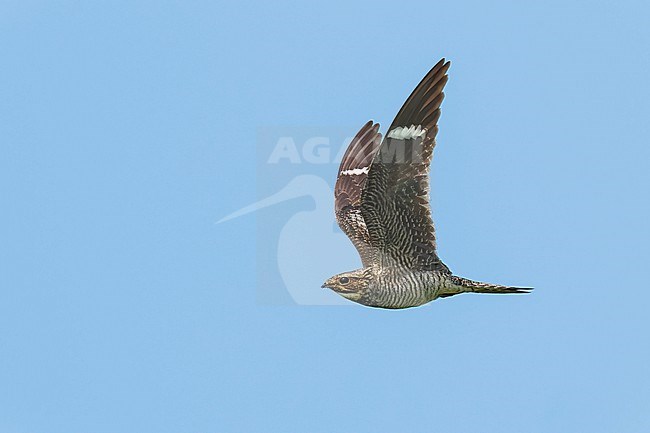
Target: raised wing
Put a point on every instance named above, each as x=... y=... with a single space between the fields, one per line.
x=395 y=201
x=349 y=186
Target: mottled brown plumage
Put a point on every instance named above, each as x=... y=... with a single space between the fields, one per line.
x=382 y=205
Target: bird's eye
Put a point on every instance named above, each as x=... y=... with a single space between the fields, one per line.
x=344 y=280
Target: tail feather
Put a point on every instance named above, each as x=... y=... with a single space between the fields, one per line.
x=466 y=285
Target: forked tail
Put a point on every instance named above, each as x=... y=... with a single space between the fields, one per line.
x=477 y=287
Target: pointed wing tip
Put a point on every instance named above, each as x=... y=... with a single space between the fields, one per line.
x=443 y=62
x=372 y=123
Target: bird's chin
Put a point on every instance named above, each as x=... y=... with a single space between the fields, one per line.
x=352 y=296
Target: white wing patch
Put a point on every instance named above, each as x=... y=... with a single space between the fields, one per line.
x=404 y=133
x=356 y=171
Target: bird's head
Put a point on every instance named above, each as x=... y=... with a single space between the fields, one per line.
x=352 y=285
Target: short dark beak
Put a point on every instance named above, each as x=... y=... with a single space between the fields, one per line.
x=324 y=286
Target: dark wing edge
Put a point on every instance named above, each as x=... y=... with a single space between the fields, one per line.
x=422 y=107
x=351 y=180
x=395 y=202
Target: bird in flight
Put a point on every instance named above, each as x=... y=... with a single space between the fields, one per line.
x=382 y=205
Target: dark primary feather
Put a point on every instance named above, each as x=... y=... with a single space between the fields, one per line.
x=395 y=199
x=422 y=105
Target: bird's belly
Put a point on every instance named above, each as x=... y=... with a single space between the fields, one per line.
x=404 y=291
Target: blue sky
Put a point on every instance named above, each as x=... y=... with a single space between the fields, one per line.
x=127 y=129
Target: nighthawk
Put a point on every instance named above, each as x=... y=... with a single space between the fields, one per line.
x=382 y=205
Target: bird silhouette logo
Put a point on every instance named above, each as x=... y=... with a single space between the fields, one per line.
x=298 y=262
x=298 y=240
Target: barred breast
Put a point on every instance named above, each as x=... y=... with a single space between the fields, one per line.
x=396 y=288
